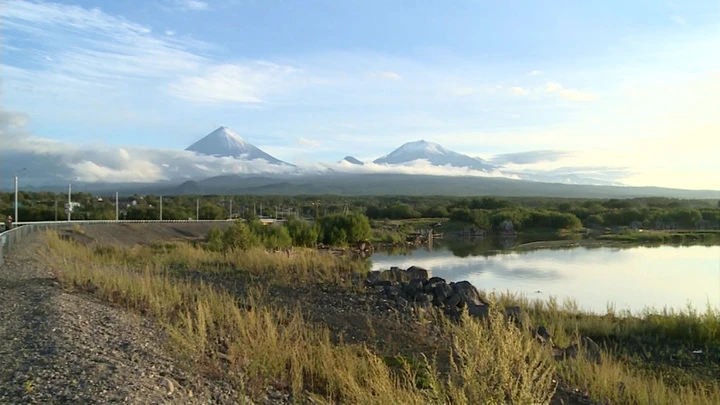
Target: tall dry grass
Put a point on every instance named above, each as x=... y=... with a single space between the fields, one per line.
x=253 y=343
x=299 y=265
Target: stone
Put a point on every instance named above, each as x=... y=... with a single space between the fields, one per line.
x=442 y=292
x=478 y=311
x=453 y=301
x=395 y=274
x=373 y=277
x=393 y=291
x=468 y=294
x=432 y=283
x=413 y=287
x=167 y=384
x=592 y=350
x=424 y=298
x=417 y=273
x=543 y=336
x=517 y=315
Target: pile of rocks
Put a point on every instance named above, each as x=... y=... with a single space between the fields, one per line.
x=414 y=286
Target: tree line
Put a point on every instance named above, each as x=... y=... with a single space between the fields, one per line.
x=331 y=230
x=483 y=212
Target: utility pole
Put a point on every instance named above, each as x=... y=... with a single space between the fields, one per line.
x=197 y=209
x=69 y=201
x=56 y=209
x=161 y=208
x=15 y=218
x=117 y=207
x=231 y=213
x=16 y=198
x=261 y=212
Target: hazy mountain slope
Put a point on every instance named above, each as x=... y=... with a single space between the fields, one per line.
x=400 y=184
x=353 y=160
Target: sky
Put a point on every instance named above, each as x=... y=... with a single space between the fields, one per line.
x=628 y=91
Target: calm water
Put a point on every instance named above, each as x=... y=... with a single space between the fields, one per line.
x=630 y=278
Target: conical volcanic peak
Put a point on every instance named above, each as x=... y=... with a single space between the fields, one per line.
x=223 y=142
x=433 y=153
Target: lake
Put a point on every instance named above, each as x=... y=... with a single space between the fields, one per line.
x=631 y=278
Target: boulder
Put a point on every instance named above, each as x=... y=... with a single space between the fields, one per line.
x=589 y=347
x=393 y=291
x=382 y=283
x=424 y=298
x=442 y=292
x=417 y=273
x=373 y=277
x=517 y=315
x=432 y=283
x=543 y=336
x=395 y=274
x=413 y=287
x=592 y=350
x=478 y=311
x=468 y=294
x=453 y=301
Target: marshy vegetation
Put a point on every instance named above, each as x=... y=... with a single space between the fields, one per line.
x=241 y=312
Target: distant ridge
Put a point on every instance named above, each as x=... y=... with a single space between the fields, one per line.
x=352 y=160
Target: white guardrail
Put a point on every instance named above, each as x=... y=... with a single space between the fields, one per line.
x=14 y=236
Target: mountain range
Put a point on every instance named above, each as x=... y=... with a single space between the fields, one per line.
x=222 y=162
x=223 y=142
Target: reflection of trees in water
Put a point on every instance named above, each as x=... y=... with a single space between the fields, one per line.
x=485 y=247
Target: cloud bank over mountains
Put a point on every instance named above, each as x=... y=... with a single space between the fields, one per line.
x=48 y=162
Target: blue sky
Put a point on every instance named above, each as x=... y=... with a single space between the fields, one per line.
x=630 y=85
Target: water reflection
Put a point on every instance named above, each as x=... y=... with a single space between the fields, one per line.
x=629 y=278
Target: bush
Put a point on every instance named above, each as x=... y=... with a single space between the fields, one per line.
x=340 y=230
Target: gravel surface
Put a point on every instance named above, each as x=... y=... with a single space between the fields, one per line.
x=58 y=348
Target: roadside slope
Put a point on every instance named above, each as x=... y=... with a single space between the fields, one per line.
x=62 y=348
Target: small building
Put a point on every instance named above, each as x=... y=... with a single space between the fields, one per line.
x=635 y=225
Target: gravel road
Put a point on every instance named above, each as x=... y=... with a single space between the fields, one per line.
x=58 y=348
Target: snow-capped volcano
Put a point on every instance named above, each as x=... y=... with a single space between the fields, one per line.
x=224 y=142
x=433 y=153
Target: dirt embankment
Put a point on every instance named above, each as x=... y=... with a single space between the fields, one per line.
x=65 y=349
x=128 y=234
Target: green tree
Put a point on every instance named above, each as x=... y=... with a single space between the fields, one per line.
x=239 y=236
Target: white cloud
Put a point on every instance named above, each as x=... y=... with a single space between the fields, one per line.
x=519 y=91
x=417 y=167
x=49 y=161
x=91 y=50
x=241 y=83
x=536 y=73
x=569 y=94
x=386 y=76
x=551 y=87
x=308 y=143
x=190 y=5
